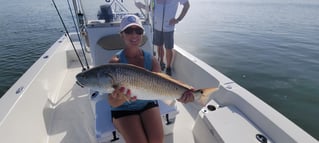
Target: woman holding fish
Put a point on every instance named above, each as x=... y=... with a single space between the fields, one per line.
x=137 y=120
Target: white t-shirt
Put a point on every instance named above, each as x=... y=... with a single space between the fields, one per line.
x=169 y=7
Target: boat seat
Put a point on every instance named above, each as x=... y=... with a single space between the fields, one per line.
x=104 y=129
x=115 y=42
x=108 y=46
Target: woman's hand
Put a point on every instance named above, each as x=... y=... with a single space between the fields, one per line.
x=187 y=96
x=119 y=96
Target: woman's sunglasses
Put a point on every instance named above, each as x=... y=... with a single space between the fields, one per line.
x=130 y=30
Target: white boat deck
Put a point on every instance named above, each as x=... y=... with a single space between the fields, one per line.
x=73 y=118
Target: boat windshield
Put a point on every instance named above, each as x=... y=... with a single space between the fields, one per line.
x=109 y=10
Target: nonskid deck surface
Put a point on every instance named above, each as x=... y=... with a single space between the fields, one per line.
x=72 y=119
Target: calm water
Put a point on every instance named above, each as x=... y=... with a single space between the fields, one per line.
x=270 y=48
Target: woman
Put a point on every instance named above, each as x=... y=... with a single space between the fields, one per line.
x=138 y=121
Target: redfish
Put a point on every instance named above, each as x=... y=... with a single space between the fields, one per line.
x=142 y=83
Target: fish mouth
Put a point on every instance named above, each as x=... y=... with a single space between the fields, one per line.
x=79 y=84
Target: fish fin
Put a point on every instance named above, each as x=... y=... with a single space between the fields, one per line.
x=205 y=94
x=173 y=80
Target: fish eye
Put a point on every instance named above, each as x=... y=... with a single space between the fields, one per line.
x=81 y=76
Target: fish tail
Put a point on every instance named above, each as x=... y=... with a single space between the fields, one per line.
x=205 y=94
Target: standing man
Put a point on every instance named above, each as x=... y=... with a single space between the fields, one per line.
x=164 y=25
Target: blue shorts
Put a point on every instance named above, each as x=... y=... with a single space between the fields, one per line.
x=161 y=38
x=133 y=108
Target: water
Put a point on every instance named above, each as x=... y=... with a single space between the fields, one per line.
x=268 y=47
x=28 y=28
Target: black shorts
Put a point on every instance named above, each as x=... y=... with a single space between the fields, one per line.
x=123 y=113
x=163 y=38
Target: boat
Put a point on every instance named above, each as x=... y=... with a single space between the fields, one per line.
x=45 y=105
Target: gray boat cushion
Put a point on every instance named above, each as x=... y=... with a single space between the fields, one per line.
x=115 y=42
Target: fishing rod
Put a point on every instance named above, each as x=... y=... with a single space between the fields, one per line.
x=78 y=34
x=67 y=32
x=150 y=17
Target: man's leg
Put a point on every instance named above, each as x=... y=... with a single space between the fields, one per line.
x=159 y=43
x=169 y=56
x=160 y=51
x=169 y=45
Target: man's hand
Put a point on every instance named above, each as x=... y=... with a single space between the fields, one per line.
x=173 y=21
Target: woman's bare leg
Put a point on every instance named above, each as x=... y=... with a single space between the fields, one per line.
x=153 y=126
x=131 y=129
